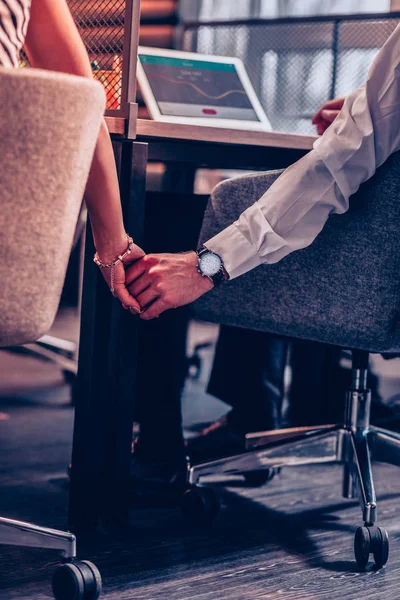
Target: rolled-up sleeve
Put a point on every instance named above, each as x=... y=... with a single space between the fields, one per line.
x=295 y=208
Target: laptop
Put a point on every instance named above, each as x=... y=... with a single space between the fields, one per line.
x=199 y=89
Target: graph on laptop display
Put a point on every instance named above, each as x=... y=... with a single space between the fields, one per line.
x=195 y=88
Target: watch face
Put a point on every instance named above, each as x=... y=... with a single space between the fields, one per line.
x=210 y=264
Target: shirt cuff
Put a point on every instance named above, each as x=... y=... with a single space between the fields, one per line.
x=237 y=253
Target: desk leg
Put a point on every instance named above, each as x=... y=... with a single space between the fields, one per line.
x=107 y=372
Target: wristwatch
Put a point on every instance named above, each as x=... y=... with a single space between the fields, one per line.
x=210 y=265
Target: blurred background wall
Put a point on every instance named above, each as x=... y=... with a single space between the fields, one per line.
x=295 y=65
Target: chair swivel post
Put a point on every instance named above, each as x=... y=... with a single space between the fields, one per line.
x=358 y=397
x=357 y=475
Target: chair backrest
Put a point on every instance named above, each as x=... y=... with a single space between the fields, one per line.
x=49 y=124
x=344 y=289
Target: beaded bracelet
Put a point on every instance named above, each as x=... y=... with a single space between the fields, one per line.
x=116 y=262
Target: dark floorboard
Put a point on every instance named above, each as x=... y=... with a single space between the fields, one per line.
x=291 y=539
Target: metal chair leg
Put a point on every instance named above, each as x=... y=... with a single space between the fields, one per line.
x=71 y=580
x=359 y=462
x=319 y=447
x=18 y=533
x=357 y=454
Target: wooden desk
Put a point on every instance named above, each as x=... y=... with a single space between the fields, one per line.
x=201 y=145
x=185 y=148
x=108 y=349
x=116 y=125
x=199 y=133
x=215 y=147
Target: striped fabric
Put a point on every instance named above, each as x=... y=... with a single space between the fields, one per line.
x=14 y=18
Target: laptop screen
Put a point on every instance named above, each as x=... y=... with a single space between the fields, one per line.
x=197 y=88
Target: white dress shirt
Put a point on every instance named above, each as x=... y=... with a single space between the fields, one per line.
x=295 y=208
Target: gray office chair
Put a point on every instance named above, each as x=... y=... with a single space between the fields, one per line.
x=343 y=290
x=48 y=129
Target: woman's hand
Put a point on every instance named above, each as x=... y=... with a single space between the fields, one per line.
x=106 y=256
x=326 y=114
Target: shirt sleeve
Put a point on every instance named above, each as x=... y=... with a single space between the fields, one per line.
x=295 y=208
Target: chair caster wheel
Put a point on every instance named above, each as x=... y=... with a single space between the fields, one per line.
x=260 y=477
x=200 y=505
x=79 y=580
x=371 y=540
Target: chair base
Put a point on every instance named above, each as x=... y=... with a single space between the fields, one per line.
x=355 y=444
x=73 y=580
x=315 y=446
x=50 y=348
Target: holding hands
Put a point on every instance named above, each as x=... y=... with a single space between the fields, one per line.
x=163 y=281
x=153 y=283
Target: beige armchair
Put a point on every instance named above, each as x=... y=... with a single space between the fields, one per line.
x=49 y=124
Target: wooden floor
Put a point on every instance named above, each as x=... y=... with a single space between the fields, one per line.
x=291 y=539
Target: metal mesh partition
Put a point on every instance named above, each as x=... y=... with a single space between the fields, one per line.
x=101 y=24
x=110 y=29
x=296 y=64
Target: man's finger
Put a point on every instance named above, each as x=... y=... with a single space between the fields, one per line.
x=329 y=115
x=138 y=286
x=125 y=298
x=317 y=117
x=146 y=297
x=154 y=310
x=335 y=104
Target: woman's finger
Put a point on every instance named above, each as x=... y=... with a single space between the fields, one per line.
x=126 y=299
x=120 y=289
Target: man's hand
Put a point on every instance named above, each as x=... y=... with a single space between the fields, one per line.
x=163 y=281
x=120 y=289
x=326 y=114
